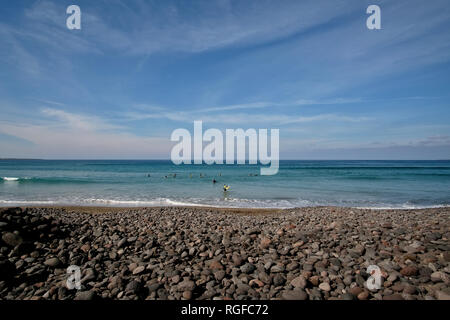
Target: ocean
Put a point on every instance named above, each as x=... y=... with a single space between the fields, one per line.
x=128 y=183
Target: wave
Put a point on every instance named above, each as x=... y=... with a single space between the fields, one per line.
x=217 y=203
x=161 y=202
x=10 y=179
x=140 y=203
x=26 y=202
x=49 y=180
x=15 y=179
x=343 y=167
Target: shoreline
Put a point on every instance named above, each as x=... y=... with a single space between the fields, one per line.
x=187 y=253
x=207 y=207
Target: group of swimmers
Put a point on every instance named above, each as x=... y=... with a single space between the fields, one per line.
x=214 y=181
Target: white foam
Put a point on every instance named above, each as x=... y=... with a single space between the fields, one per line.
x=215 y=203
x=405 y=207
x=10 y=179
x=26 y=202
x=137 y=203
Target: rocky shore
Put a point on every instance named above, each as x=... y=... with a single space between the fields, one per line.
x=206 y=253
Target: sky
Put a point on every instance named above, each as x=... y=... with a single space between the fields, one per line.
x=137 y=70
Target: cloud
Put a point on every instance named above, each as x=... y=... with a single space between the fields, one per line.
x=64 y=135
x=225 y=114
x=78 y=122
x=437 y=140
x=144 y=28
x=241 y=118
x=69 y=135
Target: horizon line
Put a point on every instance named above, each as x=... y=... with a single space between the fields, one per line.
x=130 y=159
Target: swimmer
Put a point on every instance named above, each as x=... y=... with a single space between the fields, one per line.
x=226 y=187
x=214 y=181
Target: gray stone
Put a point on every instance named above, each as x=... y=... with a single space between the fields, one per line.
x=52 y=262
x=84 y=295
x=296 y=294
x=12 y=239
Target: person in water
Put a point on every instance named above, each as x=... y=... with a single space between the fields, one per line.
x=226 y=187
x=214 y=180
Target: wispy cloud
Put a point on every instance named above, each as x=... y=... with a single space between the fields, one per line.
x=69 y=135
x=241 y=118
x=222 y=114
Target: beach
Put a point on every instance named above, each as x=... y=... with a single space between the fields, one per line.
x=173 y=253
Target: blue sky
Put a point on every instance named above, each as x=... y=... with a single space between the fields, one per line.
x=137 y=70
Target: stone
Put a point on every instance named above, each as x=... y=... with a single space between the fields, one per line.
x=252 y=231
x=153 y=287
x=133 y=286
x=299 y=282
x=219 y=275
x=247 y=268
x=278 y=280
x=115 y=282
x=277 y=268
x=122 y=243
x=409 y=289
x=186 y=285
x=292 y=266
x=409 y=271
x=85 y=295
x=441 y=295
x=138 y=270
x=446 y=256
x=187 y=295
x=237 y=260
x=363 y=295
x=394 y=296
x=325 y=286
x=52 y=262
x=11 y=239
x=347 y=296
x=265 y=243
x=437 y=276
x=314 y=280
x=215 y=265
x=256 y=283
x=296 y=294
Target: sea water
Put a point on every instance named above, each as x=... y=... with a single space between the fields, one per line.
x=372 y=184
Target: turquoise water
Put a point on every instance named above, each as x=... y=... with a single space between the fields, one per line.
x=378 y=184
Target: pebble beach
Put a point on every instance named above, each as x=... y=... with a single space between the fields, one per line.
x=186 y=253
